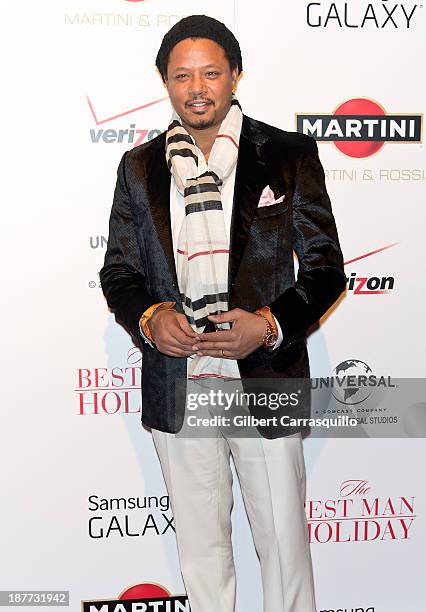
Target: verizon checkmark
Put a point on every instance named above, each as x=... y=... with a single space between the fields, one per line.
x=388 y=246
x=123 y=114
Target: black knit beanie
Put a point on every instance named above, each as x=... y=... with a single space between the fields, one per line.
x=199 y=26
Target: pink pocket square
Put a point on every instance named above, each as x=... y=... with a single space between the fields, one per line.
x=268 y=197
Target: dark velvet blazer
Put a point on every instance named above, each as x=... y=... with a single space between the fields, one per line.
x=139 y=268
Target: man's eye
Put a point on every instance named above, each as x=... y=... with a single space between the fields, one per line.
x=212 y=74
x=181 y=76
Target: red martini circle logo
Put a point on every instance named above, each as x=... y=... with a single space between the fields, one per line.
x=359 y=106
x=145 y=590
x=360 y=127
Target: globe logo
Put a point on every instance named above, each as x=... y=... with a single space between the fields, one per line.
x=351 y=384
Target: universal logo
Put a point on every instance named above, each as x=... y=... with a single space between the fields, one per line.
x=379 y=15
x=353 y=382
x=360 y=127
x=98 y=242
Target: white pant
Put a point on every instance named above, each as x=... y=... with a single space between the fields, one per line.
x=272 y=477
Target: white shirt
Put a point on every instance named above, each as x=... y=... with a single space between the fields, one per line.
x=177 y=214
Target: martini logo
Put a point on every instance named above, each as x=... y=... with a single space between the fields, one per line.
x=111 y=390
x=378 y=15
x=360 y=127
x=356 y=514
x=144 y=597
x=102 y=134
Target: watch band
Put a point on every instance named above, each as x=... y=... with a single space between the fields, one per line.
x=271 y=334
x=267 y=313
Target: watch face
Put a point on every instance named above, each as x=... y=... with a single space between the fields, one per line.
x=270 y=339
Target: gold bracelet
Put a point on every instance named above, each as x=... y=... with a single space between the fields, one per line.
x=146 y=316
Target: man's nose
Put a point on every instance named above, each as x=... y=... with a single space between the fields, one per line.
x=198 y=85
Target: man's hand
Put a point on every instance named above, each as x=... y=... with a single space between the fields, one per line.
x=245 y=336
x=172 y=333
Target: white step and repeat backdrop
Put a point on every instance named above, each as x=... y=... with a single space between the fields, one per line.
x=84 y=507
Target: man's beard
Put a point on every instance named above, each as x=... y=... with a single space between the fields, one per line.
x=201 y=124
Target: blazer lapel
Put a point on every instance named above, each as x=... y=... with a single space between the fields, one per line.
x=158 y=192
x=250 y=179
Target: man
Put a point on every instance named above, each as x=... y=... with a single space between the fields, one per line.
x=199 y=265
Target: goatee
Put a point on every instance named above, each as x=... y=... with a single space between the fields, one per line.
x=201 y=124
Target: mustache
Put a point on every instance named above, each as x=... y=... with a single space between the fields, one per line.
x=207 y=100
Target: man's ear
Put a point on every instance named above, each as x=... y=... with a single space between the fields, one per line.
x=234 y=75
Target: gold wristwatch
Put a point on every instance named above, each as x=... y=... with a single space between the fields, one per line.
x=271 y=334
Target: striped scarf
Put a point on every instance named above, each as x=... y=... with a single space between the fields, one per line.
x=203 y=242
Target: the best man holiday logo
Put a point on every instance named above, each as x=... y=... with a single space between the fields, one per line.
x=358 y=514
x=111 y=390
